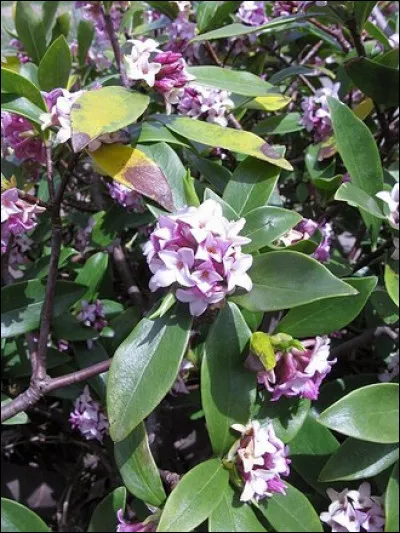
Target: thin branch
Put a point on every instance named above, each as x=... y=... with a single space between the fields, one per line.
x=49 y=168
x=115 y=45
x=314 y=50
x=335 y=33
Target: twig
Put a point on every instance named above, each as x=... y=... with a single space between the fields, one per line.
x=49 y=168
x=124 y=271
x=283 y=60
x=361 y=340
x=115 y=46
x=311 y=53
x=336 y=34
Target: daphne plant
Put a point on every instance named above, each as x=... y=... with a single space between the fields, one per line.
x=199 y=277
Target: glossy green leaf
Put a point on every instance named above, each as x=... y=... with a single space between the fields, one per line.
x=122 y=325
x=392 y=283
x=282 y=280
x=287 y=416
x=144 y=369
x=12 y=82
x=22 y=304
x=212 y=171
x=392 y=502
x=316 y=168
x=379 y=82
x=205 y=14
x=104 y=110
x=233 y=515
x=270 y=102
x=20 y=418
x=17 y=363
x=357 y=459
x=265 y=224
x=138 y=470
x=291 y=512
x=239 y=141
x=91 y=356
x=332 y=391
x=85 y=38
x=235 y=81
x=21 y=106
x=92 y=273
x=154 y=132
x=356 y=197
x=17 y=517
x=62 y=26
x=49 y=10
x=195 y=497
x=104 y=517
x=31 y=31
x=68 y=327
x=329 y=314
x=310 y=450
x=55 y=67
x=279 y=124
x=362 y=11
x=167 y=8
x=379 y=405
x=251 y=186
x=223 y=375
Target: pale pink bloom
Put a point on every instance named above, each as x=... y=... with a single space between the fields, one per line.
x=392 y=368
x=316 y=115
x=92 y=11
x=284 y=9
x=126 y=197
x=392 y=201
x=92 y=315
x=252 y=13
x=206 y=103
x=137 y=64
x=88 y=417
x=181 y=32
x=18 y=134
x=304 y=231
x=60 y=103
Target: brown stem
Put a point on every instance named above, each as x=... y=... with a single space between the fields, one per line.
x=49 y=168
x=124 y=271
x=311 y=53
x=115 y=46
x=285 y=62
x=32 y=199
x=336 y=34
x=77 y=377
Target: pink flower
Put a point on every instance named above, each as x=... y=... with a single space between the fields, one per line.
x=392 y=201
x=181 y=32
x=92 y=315
x=172 y=77
x=304 y=231
x=126 y=197
x=92 y=11
x=22 y=55
x=392 y=368
x=252 y=13
x=59 y=103
x=199 y=251
x=316 y=115
x=126 y=527
x=205 y=103
x=261 y=459
x=18 y=134
x=88 y=417
x=355 y=511
x=284 y=9
x=297 y=372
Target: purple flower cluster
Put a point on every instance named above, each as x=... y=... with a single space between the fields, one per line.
x=354 y=511
x=298 y=372
x=199 y=250
x=18 y=134
x=252 y=13
x=92 y=315
x=126 y=197
x=21 y=55
x=59 y=103
x=181 y=32
x=205 y=103
x=142 y=527
x=17 y=216
x=261 y=459
x=93 y=11
x=316 y=115
x=284 y=9
x=391 y=371
x=88 y=417
x=304 y=231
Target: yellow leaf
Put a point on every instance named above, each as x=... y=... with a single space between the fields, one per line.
x=261 y=346
x=135 y=170
x=11 y=63
x=272 y=102
x=364 y=108
x=104 y=110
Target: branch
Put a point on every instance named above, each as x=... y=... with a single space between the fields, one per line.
x=336 y=34
x=115 y=45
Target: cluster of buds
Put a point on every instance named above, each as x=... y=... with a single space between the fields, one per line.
x=252 y=13
x=21 y=54
x=354 y=511
x=165 y=71
x=211 y=105
x=316 y=114
x=150 y=524
x=18 y=134
x=288 y=367
x=92 y=11
x=199 y=250
x=92 y=315
x=17 y=216
x=304 y=231
x=260 y=459
x=59 y=103
x=181 y=32
x=88 y=417
x=126 y=197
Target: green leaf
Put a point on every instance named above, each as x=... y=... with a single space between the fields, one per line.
x=309 y=451
x=17 y=517
x=215 y=173
x=168 y=161
x=20 y=418
x=316 y=168
x=22 y=107
x=104 y=517
x=223 y=375
x=105 y=110
x=329 y=314
x=251 y=186
x=239 y=141
x=362 y=11
x=357 y=459
x=379 y=405
x=265 y=224
x=55 y=67
x=356 y=197
x=392 y=284
x=85 y=38
x=167 y=8
x=153 y=132
x=359 y=152
x=233 y=515
x=392 y=502
x=334 y=390
x=282 y=280
x=49 y=10
x=68 y=327
x=291 y=512
x=31 y=31
x=137 y=467
x=92 y=273
x=205 y=14
x=62 y=26
x=12 y=82
x=22 y=304
x=379 y=82
x=270 y=102
x=144 y=369
x=287 y=416
x=235 y=81
x=279 y=124
x=91 y=356
x=122 y=325
x=195 y=497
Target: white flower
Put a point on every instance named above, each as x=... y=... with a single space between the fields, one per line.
x=392 y=200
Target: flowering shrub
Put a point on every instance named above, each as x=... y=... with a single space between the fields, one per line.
x=200 y=244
